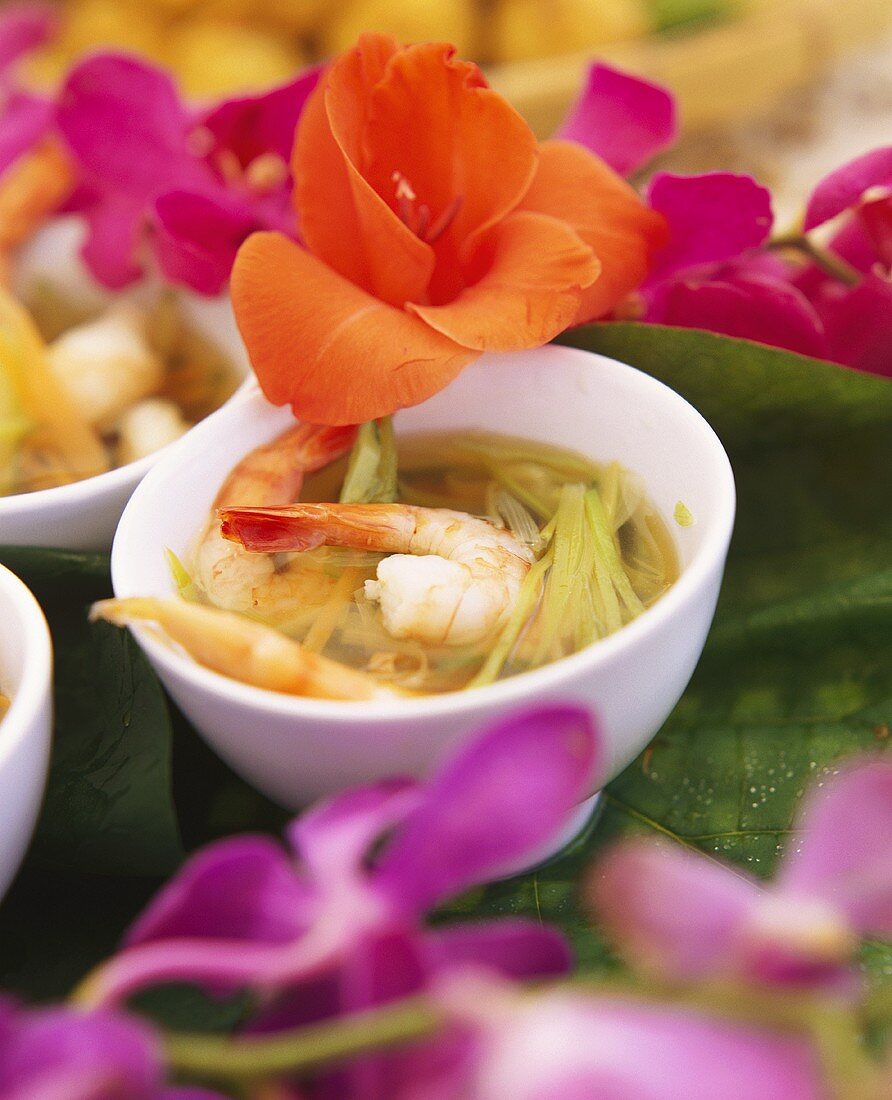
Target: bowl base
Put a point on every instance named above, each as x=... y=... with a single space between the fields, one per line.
x=578 y=827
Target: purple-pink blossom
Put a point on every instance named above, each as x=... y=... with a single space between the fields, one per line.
x=690 y=919
x=158 y=177
x=719 y=274
x=621 y=118
x=563 y=1044
x=363 y=870
x=56 y=1053
x=25 y=118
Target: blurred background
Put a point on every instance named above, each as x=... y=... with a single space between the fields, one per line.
x=785 y=89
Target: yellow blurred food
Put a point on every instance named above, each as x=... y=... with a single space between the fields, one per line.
x=213 y=57
x=524 y=29
x=452 y=21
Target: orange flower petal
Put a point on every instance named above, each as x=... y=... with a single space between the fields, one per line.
x=342 y=219
x=433 y=119
x=530 y=291
x=326 y=347
x=574 y=185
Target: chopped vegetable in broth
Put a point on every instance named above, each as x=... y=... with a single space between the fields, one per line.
x=592 y=551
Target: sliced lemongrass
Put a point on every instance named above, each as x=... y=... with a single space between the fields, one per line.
x=530 y=592
x=607 y=551
x=371 y=476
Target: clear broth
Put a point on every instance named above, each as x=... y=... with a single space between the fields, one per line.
x=472 y=472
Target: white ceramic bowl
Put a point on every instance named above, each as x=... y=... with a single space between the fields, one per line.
x=298 y=749
x=84 y=515
x=26 y=664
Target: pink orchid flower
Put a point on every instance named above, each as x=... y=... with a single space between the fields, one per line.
x=501 y=1042
x=622 y=119
x=689 y=919
x=25 y=118
x=712 y=274
x=857 y=319
x=246 y=914
x=56 y=1053
x=715 y=274
x=188 y=185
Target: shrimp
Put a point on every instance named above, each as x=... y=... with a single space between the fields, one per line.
x=452 y=579
x=246 y=651
x=106 y=365
x=271 y=474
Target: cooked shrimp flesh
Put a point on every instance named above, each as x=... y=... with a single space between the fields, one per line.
x=272 y=474
x=451 y=578
x=246 y=651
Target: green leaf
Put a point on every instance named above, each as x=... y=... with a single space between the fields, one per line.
x=108 y=807
x=371 y=476
x=795 y=675
x=753 y=395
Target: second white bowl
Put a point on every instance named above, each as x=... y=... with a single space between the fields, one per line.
x=297 y=749
x=26 y=667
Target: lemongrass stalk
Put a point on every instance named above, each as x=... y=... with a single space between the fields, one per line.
x=517 y=518
x=371 y=473
x=474 y=448
x=529 y=594
x=569 y=566
x=181 y=577
x=330 y=614
x=531 y=500
x=608 y=552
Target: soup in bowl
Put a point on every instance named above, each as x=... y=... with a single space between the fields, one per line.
x=610 y=440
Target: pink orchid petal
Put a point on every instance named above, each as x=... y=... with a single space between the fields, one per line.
x=845 y=187
x=24 y=120
x=114 y=236
x=63 y=1052
x=712 y=218
x=197 y=237
x=858 y=323
x=240 y=889
x=503 y=799
x=123 y=120
x=562 y=1046
x=24 y=27
x=218 y=966
x=669 y=910
x=876 y=217
x=845 y=855
x=202 y=1094
x=624 y=120
x=333 y=838
x=767 y=310
x=513 y=947
x=251 y=126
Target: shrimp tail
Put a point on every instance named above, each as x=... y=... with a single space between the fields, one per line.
x=385 y=528
x=245 y=650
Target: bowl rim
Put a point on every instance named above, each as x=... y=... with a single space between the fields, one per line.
x=34 y=688
x=118 y=478
x=514 y=690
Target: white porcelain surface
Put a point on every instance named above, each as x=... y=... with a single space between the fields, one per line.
x=84 y=515
x=298 y=749
x=25 y=733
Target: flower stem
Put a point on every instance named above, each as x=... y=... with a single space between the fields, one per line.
x=827 y=261
x=304 y=1048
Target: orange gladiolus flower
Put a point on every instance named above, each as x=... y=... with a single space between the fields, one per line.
x=434 y=228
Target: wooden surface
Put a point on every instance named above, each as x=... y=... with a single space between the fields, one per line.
x=728 y=72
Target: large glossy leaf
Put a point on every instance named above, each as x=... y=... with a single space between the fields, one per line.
x=108 y=807
x=796 y=672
